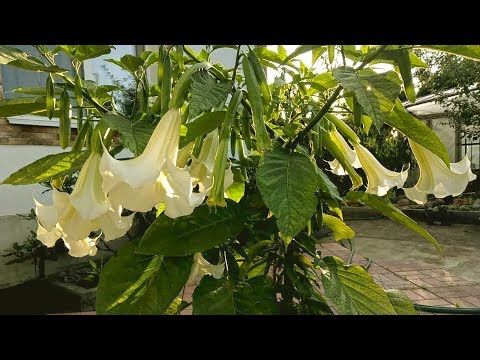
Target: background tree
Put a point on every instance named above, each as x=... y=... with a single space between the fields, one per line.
x=462 y=76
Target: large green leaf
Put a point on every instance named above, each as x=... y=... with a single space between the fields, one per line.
x=135 y=136
x=21 y=106
x=386 y=208
x=84 y=52
x=321 y=82
x=213 y=297
x=202 y=125
x=468 y=51
x=326 y=186
x=400 y=302
x=376 y=93
x=301 y=50
x=136 y=284
x=202 y=230
x=207 y=92
x=339 y=228
x=352 y=289
x=48 y=168
x=287 y=182
x=256 y=296
x=417 y=131
x=18 y=58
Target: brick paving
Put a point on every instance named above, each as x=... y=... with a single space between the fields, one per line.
x=424 y=284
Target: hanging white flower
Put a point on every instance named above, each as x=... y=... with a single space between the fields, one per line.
x=379 y=178
x=436 y=178
x=350 y=155
x=202 y=267
x=202 y=167
x=73 y=217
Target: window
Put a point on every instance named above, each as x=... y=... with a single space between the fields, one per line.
x=96 y=69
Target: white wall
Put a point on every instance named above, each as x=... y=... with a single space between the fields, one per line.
x=18 y=199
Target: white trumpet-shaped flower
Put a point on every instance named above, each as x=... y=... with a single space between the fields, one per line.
x=73 y=217
x=379 y=178
x=152 y=178
x=202 y=267
x=202 y=167
x=132 y=183
x=436 y=177
x=350 y=155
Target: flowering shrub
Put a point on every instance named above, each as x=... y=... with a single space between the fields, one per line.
x=233 y=166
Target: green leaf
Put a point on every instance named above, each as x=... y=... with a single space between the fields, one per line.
x=468 y=51
x=48 y=168
x=256 y=296
x=213 y=297
x=326 y=185
x=267 y=54
x=18 y=58
x=202 y=230
x=202 y=125
x=35 y=90
x=376 y=93
x=321 y=83
x=400 y=302
x=21 y=106
x=135 y=136
x=206 y=92
x=301 y=50
x=236 y=191
x=417 y=131
x=352 y=289
x=386 y=208
x=339 y=228
x=287 y=182
x=135 y=284
x=84 y=52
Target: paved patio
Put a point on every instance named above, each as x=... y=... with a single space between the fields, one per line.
x=425 y=284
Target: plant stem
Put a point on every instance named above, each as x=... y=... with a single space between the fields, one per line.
x=237 y=58
x=292 y=145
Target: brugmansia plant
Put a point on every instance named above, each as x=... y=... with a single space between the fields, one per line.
x=231 y=171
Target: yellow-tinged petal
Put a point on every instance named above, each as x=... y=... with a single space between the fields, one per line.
x=74 y=226
x=142 y=199
x=48 y=238
x=87 y=196
x=202 y=267
x=83 y=247
x=113 y=225
x=144 y=169
x=178 y=196
x=436 y=178
x=46 y=215
x=380 y=179
x=350 y=155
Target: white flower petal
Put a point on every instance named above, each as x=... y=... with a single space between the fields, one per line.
x=142 y=199
x=380 y=179
x=113 y=225
x=82 y=247
x=436 y=178
x=46 y=215
x=74 y=226
x=350 y=155
x=177 y=185
x=144 y=169
x=47 y=238
x=202 y=267
x=87 y=196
